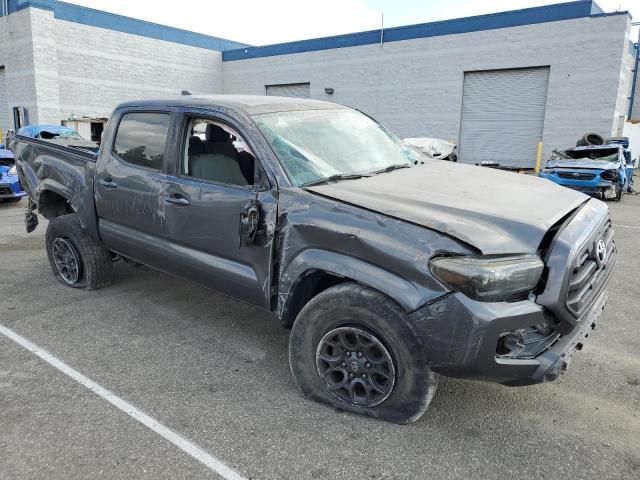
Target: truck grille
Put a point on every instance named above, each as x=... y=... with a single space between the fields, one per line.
x=591 y=270
x=576 y=175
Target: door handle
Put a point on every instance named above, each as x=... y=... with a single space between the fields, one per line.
x=108 y=183
x=177 y=199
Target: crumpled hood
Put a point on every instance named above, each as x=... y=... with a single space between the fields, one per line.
x=586 y=163
x=492 y=210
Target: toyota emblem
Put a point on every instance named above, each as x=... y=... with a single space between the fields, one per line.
x=601 y=251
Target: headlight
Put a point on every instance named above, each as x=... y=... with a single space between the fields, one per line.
x=547 y=170
x=12 y=171
x=489 y=278
x=610 y=175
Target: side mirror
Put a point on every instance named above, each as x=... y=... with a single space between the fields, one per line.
x=249 y=220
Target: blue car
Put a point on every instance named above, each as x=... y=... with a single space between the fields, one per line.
x=604 y=171
x=10 y=189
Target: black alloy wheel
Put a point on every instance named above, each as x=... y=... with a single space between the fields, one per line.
x=355 y=366
x=66 y=260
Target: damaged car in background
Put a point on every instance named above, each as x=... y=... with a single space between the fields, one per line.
x=435 y=148
x=604 y=170
x=316 y=213
x=10 y=189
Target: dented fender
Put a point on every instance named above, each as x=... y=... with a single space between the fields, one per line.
x=407 y=294
x=315 y=233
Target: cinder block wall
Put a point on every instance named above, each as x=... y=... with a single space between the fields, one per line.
x=415 y=86
x=55 y=68
x=23 y=65
x=99 y=68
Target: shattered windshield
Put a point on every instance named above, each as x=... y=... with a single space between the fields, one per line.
x=333 y=144
x=603 y=155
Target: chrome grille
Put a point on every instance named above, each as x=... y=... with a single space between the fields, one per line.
x=591 y=270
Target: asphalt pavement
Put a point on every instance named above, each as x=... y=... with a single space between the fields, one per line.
x=215 y=372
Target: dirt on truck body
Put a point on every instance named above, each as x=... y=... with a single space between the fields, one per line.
x=390 y=268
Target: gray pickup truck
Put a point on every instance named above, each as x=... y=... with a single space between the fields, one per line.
x=389 y=268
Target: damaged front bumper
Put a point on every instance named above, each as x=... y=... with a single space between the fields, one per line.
x=464 y=338
x=11 y=190
x=584 y=180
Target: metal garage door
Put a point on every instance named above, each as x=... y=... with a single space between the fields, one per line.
x=5 y=122
x=503 y=116
x=298 y=90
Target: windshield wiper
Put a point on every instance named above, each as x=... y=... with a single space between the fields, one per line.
x=335 y=178
x=391 y=168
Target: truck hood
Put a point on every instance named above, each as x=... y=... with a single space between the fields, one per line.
x=494 y=211
x=576 y=164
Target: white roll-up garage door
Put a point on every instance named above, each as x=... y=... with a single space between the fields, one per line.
x=503 y=116
x=298 y=90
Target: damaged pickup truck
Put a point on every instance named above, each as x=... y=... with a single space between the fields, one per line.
x=389 y=268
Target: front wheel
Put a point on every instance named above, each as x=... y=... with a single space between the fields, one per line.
x=353 y=348
x=618 y=190
x=77 y=260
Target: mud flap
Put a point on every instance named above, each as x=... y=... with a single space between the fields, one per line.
x=30 y=217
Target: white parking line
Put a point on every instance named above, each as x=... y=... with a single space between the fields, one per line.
x=625 y=226
x=179 y=441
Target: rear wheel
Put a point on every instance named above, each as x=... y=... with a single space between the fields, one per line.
x=77 y=260
x=353 y=348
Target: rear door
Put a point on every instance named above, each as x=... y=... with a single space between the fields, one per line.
x=130 y=183
x=220 y=211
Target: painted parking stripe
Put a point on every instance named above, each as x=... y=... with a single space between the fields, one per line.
x=625 y=226
x=178 y=440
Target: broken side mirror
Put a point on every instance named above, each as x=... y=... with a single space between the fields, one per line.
x=249 y=221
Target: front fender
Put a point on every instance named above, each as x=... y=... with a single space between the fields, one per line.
x=408 y=295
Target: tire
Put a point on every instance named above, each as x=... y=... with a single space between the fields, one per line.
x=352 y=308
x=65 y=238
x=618 y=196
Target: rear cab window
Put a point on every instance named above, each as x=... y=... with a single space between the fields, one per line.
x=141 y=139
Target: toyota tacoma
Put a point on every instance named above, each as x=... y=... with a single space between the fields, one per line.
x=389 y=268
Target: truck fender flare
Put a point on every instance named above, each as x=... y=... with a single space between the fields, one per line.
x=48 y=185
x=405 y=293
x=63 y=191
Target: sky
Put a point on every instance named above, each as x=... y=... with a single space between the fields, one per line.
x=262 y=22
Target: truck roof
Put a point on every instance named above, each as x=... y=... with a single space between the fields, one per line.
x=249 y=104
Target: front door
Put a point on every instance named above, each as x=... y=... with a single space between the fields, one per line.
x=130 y=186
x=220 y=213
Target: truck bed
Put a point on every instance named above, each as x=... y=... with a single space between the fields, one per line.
x=51 y=167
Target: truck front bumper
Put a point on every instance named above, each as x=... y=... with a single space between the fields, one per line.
x=461 y=338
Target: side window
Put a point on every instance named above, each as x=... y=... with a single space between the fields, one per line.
x=141 y=138
x=215 y=152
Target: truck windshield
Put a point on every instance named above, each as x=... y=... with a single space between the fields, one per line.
x=333 y=144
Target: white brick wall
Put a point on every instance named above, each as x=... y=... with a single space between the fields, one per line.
x=17 y=57
x=99 y=68
x=55 y=68
x=415 y=86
